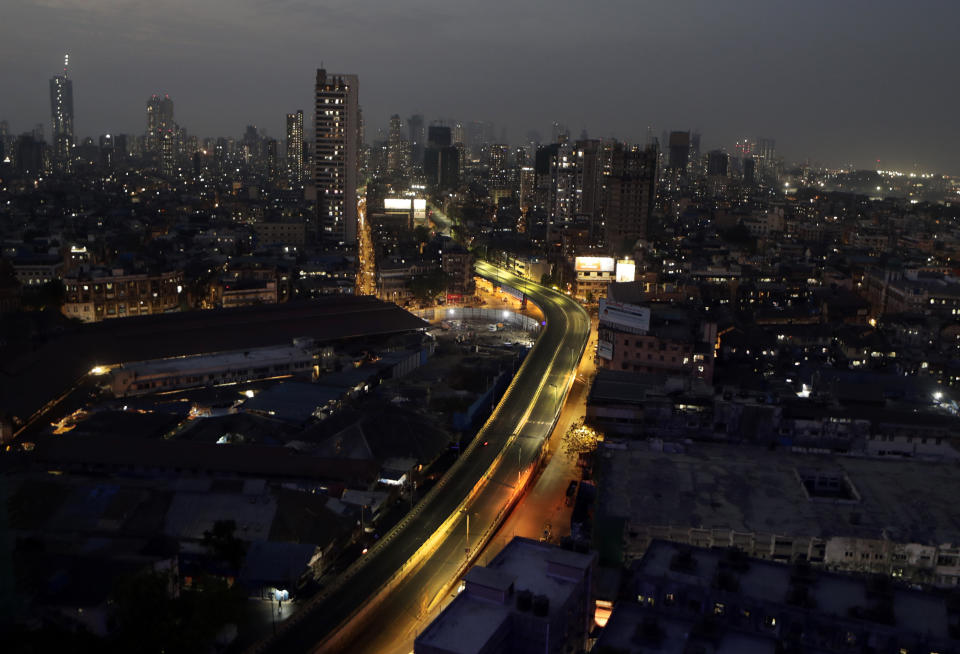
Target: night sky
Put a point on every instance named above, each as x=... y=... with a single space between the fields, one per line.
x=836 y=81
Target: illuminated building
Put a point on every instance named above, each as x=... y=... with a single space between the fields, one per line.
x=159 y=119
x=398 y=149
x=653 y=338
x=765 y=157
x=593 y=275
x=166 y=140
x=337 y=123
x=295 y=147
x=100 y=294
x=61 y=109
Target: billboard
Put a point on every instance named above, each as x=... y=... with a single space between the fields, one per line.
x=605 y=350
x=626 y=270
x=405 y=204
x=630 y=317
x=595 y=264
x=397 y=204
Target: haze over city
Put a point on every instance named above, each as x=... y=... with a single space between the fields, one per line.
x=835 y=83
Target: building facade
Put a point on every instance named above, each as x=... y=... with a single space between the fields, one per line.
x=92 y=296
x=295 y=147
x=337 y=123
x=61 y=110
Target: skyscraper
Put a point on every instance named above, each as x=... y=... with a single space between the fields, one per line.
x=61 y=110
x=337 y=124
x=398 y=160
x=631 y=188
x=417 y=138
x=159 y=120
x=717 y=162
x=295 y=147
x=679 y=151
x=441 y=163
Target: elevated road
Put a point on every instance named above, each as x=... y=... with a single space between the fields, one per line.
x=416 y=563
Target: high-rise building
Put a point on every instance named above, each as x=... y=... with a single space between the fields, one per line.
x=295 y=147
x=29 y=155
x=499 y=157
x=749 y=171
x=398 y=148
x=441 y=163
x=61 y=110
x=717 y=162
x=679 y=151
x=417 y=138
x=167 y=143
x=337 y=125
x=159 y=120
x=631 y=189
x=765 y=156
x=457 y=133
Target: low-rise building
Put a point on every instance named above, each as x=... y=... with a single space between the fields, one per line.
x=695 y=599
x=653 y=338
x=37 y=269
x=99 y=294
x=286 y=233
x=843 y=514
x=532 y=597
x=457 y=265
x=142 y=377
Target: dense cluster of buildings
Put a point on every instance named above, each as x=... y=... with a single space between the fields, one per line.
x=777 y=353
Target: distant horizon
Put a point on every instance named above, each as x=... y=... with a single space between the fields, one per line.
x=836 y=84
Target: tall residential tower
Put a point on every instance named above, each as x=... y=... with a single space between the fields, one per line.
x=337 y=123
x=295 y=147
x=61 y=110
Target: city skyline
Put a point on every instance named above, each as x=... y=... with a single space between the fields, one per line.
x=836 y=88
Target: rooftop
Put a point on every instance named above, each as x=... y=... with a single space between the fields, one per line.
x=474 y=617
x=827 y=593
x=35 y=375
x=753 y=489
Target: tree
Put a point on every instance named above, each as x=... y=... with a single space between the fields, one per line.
x=222 y=543
x=421 y=233
x=580 y=439
x=426 y=287
x=149 y=619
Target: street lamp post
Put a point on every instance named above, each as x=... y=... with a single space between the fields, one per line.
x=519 y=460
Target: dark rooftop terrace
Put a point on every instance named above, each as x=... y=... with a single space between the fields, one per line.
x=33 y=375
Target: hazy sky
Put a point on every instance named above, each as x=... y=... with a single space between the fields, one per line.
x=837 y=81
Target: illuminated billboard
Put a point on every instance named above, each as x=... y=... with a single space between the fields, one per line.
x=629 y=317
x=595 y=264
x=398 y=204
x=419 y=204
x=626 y=270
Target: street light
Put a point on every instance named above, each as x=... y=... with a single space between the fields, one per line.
x=467 y=513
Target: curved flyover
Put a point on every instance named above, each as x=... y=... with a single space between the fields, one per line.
x=411 y=566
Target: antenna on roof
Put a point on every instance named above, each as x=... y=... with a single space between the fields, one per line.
x=66 y=62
